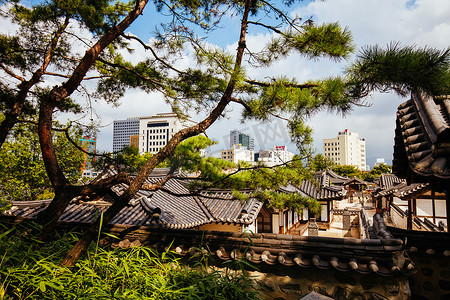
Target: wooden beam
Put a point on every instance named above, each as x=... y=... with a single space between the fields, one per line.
x=448 y=209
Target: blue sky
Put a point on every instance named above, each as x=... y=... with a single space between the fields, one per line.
x=421 y=23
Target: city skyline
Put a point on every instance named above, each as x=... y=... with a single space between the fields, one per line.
x=371 y=22
x=421 y=23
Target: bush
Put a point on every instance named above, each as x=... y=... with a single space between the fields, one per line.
x=32 y=272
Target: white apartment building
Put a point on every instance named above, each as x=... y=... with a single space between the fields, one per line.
x=156 y=131
x=149 y=134
x=275 y=156
x=346 y=149
x=122 y=131
x=238 y=153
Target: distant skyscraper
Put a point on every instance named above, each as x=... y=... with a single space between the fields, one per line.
x=148 y=134
x=123 y=130
x=156 y=131
x=239 y=138
x=346 y=149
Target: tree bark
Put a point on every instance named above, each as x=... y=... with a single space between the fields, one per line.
x=80 y=247
x=52 y=100
x=11 y=117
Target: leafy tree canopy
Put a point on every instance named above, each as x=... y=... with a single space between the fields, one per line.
x=346 y=170
x=403 y=69
x=47 y=66
x=22 y=171
x=320 y=162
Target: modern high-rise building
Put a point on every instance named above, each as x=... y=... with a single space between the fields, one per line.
x=346 y=149
x=148 y=134
x=156 y=131
x=239 y=138
x=123 y=130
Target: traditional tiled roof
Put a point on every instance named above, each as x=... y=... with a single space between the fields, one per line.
x=388 y=185
x=365 y=256
x=381 y=256
x=389 y=180
x=429 y=242
x=355 y=180
x=390 y=190
x=311 y=189
x=422 y=138
x=405 y=191
x=187 y=211
x=328 y=177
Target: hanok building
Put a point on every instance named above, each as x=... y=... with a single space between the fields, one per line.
x=422 y=155
x=370 y=267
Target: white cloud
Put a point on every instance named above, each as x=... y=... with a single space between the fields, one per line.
x=420 y=22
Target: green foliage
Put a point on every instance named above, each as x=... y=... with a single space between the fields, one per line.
x=403 y=69
x=293 y=201
x=381 y=169
x=320 y=162
x=328 y=40
x=376 y=172
x=129 y=159
x=22 y=172
x=188 y=156
x=31 y=272
x=352 y=171
x=347 y=170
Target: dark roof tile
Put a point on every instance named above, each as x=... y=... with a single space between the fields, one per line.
x=422 y=137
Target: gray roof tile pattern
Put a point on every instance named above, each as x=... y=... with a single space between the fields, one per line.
x=328 y=177
x=411 y=189
x=355 y=180
x=424 y=241
x=186 y=211
x=340 y=254
x=390 y=191
x=311 y=189
x=422 y=137
x=389 y=180
x=222 y=207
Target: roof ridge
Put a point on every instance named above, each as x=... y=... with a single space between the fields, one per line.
x=204 y=208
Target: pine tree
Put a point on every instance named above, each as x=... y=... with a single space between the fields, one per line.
x=43 y=49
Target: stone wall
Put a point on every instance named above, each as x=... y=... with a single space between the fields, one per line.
x=432 y=280
x=335 y=284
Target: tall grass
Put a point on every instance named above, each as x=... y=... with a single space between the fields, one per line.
x=29 y=270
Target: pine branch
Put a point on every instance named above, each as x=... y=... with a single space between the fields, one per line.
x=68 y=76
x=266 y=26
x=154 y=82
x=147 y=47
x=265 y=84
x=7 y=70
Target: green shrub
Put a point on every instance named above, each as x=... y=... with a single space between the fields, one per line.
x=29 y=270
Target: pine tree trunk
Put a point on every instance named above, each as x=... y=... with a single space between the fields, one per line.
x=50 y=216
x=83 y=243
x=165 y=152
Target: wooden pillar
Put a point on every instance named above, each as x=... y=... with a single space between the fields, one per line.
x=433 y=196
x=447 y=196
x=410 y=214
